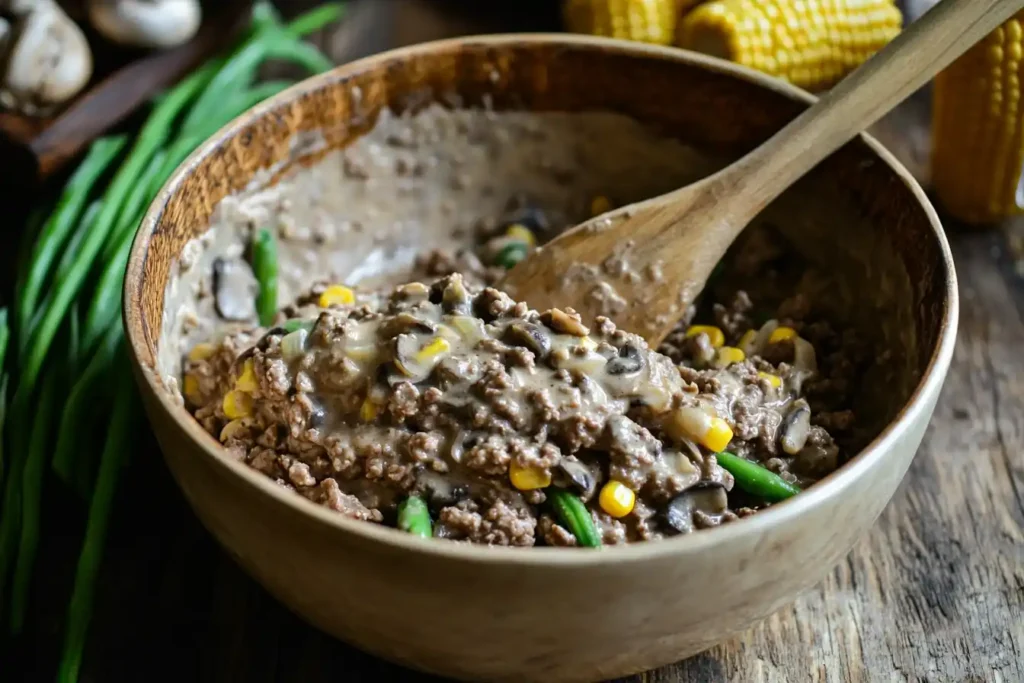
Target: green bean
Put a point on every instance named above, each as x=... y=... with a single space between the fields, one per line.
x=264 y=266
x=511 y=254
x=106 y=301
x=70 y=255
x=574 y=516
x=74 y=341
x=154 y=133
x=294 y=324
x=756 y=480
x=5 y=334
x=67 y=260
x=78 y=401
x=10 y=519
x=33 y=225
x=134 y=206
x=54 y=233
x=414 y=517
x=83 y=593
x=240 y=70
x=315 y=19
x=4 y=383
x=31 y=499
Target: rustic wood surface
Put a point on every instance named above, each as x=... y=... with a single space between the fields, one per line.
x=934 y=593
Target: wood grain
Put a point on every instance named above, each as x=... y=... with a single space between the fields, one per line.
x=934 y=593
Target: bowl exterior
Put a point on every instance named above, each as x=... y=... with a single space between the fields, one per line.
x=534 y=622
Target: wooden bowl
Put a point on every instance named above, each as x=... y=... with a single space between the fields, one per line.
x=558 y=614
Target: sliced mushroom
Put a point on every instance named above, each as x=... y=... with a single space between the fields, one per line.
x=415 y=359
x=440 y=490
x=628 y=362
x=563 y=323
x=48 y=60
x=405 y=323
x=146 y=23
x=795 y=428
x=530 y=335
x=235 y=289
x=707 y=497
x=580 y=475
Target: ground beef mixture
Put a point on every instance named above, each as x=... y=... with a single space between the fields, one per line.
x=449 y=391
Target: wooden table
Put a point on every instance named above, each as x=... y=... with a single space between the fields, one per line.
x=934 y=593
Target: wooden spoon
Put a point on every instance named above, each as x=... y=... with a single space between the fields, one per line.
x=643 y=264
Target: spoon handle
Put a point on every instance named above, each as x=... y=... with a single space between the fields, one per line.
x=926 y=47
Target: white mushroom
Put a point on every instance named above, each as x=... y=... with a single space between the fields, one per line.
x=146 y=23
x=47 y=59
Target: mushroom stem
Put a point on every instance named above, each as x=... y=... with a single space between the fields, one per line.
x=146 y=23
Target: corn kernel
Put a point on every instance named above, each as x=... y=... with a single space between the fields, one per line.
x=232 y=430
x=190 y=387
x=616 y=499
x=747 y=339
x=727 y=355
x=718 y=436
x=247 y=380
x=600 y=204
x=715 y=335
x=781 y=334
x=528 y=478
x=369 y=410
x=774 y=380
x=521 y=233
x=201 y=352
x=237 y=404
x=337 y=295
x=435 y=348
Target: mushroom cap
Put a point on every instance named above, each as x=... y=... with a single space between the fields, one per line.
x=146 y=23
x=50 y=60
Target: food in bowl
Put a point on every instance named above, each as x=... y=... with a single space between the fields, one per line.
x=397 y=385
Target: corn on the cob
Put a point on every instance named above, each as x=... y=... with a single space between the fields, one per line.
x=810 y=43
x=977 y=130
x=647 y=21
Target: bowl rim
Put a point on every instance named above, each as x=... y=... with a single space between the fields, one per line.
x=755 y=526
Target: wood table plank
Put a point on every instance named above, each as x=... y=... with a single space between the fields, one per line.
x=935 y=592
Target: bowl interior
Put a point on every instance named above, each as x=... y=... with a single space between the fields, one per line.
x=876 y=259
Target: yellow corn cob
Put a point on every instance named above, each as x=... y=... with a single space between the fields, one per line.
x=977 y=131
x=647 y=21
x=810 y=43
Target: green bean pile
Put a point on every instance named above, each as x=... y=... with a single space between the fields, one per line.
x=68 y=359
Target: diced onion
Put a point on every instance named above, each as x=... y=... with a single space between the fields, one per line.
x=294 y=344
